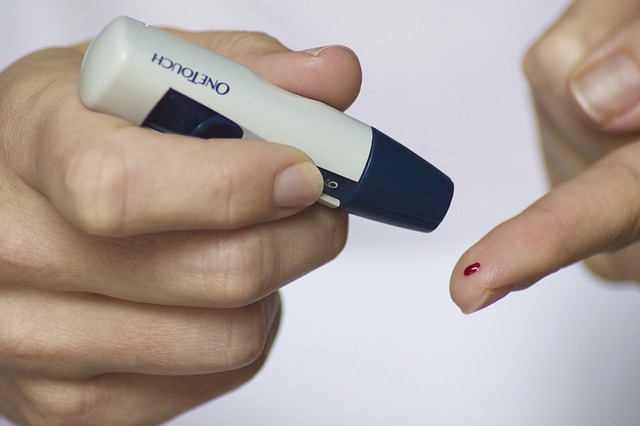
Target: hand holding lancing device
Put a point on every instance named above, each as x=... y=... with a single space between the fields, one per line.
x=139 y=271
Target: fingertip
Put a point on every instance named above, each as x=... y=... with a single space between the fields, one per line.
x=472 y=285
x=474 y=292
x=469 y=279
x=341 y=66
x=329 y=74
x=299 y=185
x=507 y=259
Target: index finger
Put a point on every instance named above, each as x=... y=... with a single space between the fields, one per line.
x=111 y=179
x=597 y=211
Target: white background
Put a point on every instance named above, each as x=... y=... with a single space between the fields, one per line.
x=373 y=338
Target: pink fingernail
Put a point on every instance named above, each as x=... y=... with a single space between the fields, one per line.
x=315 y=51
x=298 y=186
x=609 y=90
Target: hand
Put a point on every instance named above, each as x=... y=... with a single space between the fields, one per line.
x=585 y=79
x=139 y=271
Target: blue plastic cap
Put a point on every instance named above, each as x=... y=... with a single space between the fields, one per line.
x=400 y=188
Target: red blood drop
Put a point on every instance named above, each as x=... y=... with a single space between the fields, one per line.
x=471 y=269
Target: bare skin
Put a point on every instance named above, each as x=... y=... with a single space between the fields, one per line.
x=139 y=271
x=585 y=85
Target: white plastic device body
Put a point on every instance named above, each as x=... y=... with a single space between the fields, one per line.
x=155 y=79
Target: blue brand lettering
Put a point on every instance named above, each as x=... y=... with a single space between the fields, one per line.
x=191 y=75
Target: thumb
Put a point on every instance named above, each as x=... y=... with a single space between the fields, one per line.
x=597 y=211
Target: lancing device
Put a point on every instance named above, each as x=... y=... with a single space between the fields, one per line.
x=154 y=79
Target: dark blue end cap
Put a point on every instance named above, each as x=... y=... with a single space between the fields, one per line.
x=400 y=188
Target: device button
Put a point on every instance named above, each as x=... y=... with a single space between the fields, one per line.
x=329 y=201
x=217 y=126
x=177 y=113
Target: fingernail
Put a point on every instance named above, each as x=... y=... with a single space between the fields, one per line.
x=314 y=51
x=609 y=89
x=299 y=185
x=489 y=298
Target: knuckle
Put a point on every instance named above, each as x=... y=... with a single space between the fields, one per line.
x=627 y=182
x=334 y=225
x=57 y=403
x=548 y=62
x=23 y=92
x=96 y=189
x=339 y=224
x=227 y=271
x=26 y=343
x=538 y=62
x=247 y=42
x=247 y=338
x=21 y=343
x=608 y=266
x=15 y=349
x=241 y=269
x=224 y=193
x=21 y=251
x=236 y=199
